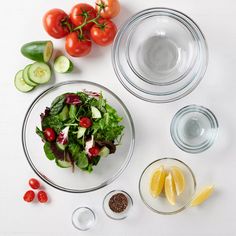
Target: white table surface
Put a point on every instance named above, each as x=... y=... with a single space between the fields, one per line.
x=21 y=22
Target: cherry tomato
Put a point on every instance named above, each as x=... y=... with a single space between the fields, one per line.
x=94 y=151
x=29 y=196
x=34 y=183
x=81 y=12
x=104 y=33
x=54 y=22
x=42 y=197
x=78 y=46
x=109 y=8
x=85 y=122
x=49 y=134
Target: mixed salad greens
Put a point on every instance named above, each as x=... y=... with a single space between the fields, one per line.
x=79 y=129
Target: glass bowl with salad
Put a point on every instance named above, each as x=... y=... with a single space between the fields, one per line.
x=78 y=136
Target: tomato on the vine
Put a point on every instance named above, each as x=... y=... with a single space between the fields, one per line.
x=81 y=12
x=108 y=8
x=104 y=32
x=34 y=183
x=55 y=22
x=78 y=45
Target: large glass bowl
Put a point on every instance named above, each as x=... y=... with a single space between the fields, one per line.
x=160 y=55
x=160 y=204
x=107 y=170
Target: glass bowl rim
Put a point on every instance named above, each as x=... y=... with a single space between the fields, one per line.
x=139 y=93
x=113 y=191
x=187 y=203
x=205 y=145
x=41 y=175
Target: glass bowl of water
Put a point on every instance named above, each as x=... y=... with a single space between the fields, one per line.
x=194 y=128
x=160 y=55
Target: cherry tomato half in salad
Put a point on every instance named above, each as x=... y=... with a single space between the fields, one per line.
x=34 y=183
x=94 y=151
x=104 y=33
x=78 y=46
x=42 y=196
x=29 y=196
x=85 y=122
x=54 y=22
x=109 y=8
x=49 y=134
x=81 y=12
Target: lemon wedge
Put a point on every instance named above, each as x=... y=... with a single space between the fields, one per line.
x=179 y=179
x=157 y=181
x=202 y=196
x=170 y=189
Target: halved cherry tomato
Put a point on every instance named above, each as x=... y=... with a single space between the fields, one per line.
x=29 y=196
x=42 y=196
x=81 y=12
x=104 y=33
x=54 y=22
x=109 y=8
x=49 y=134
x=94 y=151
x=34 y=183
x=78 y=46
x=85 y=122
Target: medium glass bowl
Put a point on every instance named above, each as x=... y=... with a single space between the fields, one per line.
x=160 y=204
x=160 y=55
x=194 y=128
x=105 y=172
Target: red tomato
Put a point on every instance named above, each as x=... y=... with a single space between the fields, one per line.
x=29 y=196
x=85 y=122
x=104 y=33
x=109 y=8
x=49 y=134
x=34 y=183
x=80 y=12
x=76 y=46
x=42 y=197
x=94 y=151
x=54 y=22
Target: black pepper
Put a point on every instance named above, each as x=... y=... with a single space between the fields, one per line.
x=118 y=203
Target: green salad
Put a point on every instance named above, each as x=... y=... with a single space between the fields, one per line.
x=79 y=129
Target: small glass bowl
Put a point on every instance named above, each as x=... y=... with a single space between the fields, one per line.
x=160 y=204
x=83 y=218
x=194 y=129
x=160 y=55
x=114 y=215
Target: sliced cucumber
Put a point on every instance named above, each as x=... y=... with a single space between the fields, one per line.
x=20 y=83
x=40 y=51
x=96 y=114
x=63 y=164
x=39 y=73
x=104 y=152
x=62 y=147
x=63 y=65
x=81 y=132
x=26 y=77
x=64 y=114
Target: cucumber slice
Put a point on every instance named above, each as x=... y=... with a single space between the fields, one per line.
x=63 y=65
x=26 y=77
x=96 y=114
x=20 y=83
x=104 y=152
x=63 y=164
x=39 y=73
x=64 y=114
x=62 y=147
x=81 y=132
x=40 y=51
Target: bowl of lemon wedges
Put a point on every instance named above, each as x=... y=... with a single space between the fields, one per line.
x=168 y=186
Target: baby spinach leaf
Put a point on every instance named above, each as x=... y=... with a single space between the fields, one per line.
x=48 y=151
x=39 y=132
x=57 y=105
x=82 y=161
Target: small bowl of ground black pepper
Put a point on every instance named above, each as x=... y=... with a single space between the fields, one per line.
x=117 y=204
